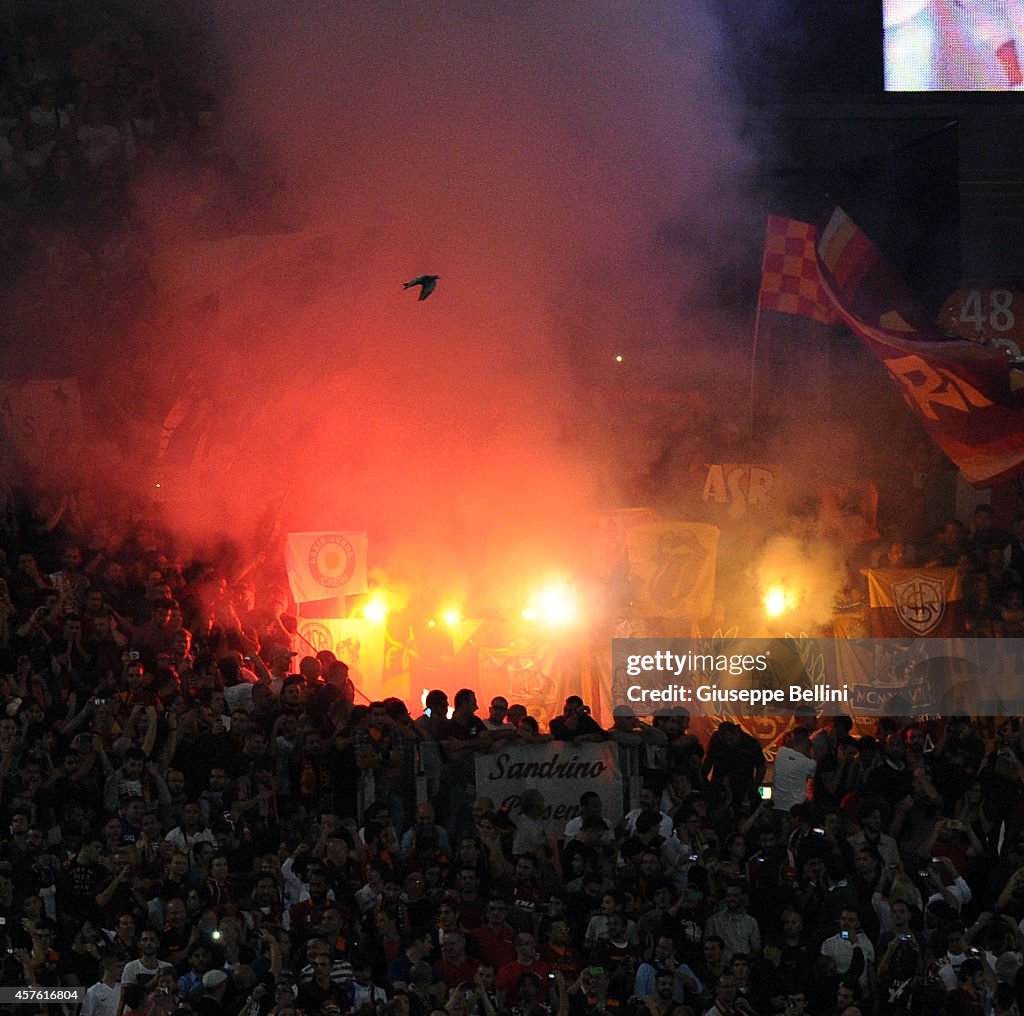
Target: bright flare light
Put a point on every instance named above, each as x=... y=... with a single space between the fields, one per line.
x=778 y=599
x=376 y=610
x=555 y=606
x=452 y=617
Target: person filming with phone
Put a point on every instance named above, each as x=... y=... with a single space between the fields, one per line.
x=851 y=950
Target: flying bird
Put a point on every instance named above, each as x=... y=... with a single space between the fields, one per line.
x=427 y=282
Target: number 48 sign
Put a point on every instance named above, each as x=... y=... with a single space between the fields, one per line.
x=988 y=314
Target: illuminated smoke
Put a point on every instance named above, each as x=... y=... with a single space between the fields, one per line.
x=797 y=580
x=577 y=179
x=581 y=178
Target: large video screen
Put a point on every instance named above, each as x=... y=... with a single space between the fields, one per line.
x=953 y=45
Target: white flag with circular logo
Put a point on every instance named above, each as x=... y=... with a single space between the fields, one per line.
x=323 y=565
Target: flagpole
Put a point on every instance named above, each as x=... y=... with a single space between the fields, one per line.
x=753 y=363
x=757 y=334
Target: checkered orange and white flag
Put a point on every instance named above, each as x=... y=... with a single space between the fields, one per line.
x=789 y=274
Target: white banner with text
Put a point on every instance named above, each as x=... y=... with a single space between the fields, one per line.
x=559 y=770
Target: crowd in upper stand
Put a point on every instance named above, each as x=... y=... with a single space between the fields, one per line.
x=189 y=817
x=90 y=97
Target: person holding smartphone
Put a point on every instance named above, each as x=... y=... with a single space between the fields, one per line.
x=851 y=950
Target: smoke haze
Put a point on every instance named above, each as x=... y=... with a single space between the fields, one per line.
x=577 y=179
x=584 y=180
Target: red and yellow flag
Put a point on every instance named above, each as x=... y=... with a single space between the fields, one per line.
x=789 y=272
x=960 y=390
x=914 y=602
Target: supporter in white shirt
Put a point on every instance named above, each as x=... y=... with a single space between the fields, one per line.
x=147 y=965
x=794 y=766
x=841 y=947
x=590 y=805
x=648 y=803
x=497 y=715
x=103 y=997
x=944 y=882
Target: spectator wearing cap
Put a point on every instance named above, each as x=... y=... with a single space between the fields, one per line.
x=211 y=1001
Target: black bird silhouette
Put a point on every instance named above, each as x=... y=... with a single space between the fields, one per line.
x=427 y=282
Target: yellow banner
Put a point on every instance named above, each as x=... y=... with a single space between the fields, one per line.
x=672 y=568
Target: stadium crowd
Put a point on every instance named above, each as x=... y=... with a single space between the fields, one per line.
x=195 y=819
